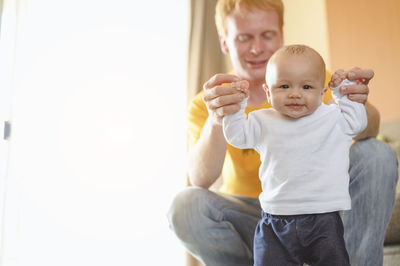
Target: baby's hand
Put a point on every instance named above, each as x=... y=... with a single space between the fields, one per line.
x=337 y=78
x=242 y=86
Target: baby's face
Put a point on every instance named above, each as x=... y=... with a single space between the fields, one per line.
x=295 y=84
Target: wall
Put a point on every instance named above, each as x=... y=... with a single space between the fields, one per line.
x=307 y=24
x=371 y=39
x=348 y=37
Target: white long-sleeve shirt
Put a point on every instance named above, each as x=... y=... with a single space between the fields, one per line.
x=304 y=162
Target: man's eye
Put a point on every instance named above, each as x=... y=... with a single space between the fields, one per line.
x=243 y=38
x=284 y=86
x=306 y=87
x=269 y=35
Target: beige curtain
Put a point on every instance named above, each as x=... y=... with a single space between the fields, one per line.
x=205 y=57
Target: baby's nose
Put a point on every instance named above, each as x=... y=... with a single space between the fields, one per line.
x=295 y=93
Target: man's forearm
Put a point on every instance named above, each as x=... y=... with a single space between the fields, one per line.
x=372 y=129
x=207 y=156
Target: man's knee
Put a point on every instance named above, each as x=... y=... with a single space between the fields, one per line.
x=374 y=160
x=371 y=153
x=373 y=150
x=185 y=206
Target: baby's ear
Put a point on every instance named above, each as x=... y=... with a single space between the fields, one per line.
x=324 y=90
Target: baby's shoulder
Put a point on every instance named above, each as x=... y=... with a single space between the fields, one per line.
x=326 y=109
x=266 y=113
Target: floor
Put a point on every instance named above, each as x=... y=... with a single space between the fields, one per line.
x=391 y=256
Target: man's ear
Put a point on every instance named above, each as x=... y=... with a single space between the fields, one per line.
x=224 y=46
x=267 y=92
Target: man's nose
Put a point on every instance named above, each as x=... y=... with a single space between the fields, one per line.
x=257 y=47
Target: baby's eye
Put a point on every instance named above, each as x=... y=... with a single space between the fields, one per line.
x=284 y=86
x=306 y=87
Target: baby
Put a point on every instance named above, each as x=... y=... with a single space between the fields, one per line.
x=304 y=151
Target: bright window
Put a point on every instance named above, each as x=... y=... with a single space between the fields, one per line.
x=98 y=133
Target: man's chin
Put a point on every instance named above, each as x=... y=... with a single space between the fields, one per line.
x=253 y=75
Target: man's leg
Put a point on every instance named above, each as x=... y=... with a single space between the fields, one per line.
x=218 y=229
x=373 y=179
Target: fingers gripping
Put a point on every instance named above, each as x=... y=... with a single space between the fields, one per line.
x=224 y=98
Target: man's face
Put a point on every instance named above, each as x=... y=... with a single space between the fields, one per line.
x=295 y=84
x=252 y=37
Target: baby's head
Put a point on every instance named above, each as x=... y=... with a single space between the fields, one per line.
x=295 y=79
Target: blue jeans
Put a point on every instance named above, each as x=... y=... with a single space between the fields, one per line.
x=218 y=229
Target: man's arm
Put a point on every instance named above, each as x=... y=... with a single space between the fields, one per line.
x=207 y=156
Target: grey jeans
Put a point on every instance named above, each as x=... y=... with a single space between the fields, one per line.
x=218 y=229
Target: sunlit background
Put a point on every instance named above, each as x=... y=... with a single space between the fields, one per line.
x=96 y=93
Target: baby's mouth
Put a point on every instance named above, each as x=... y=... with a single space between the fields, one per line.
x=295 y=106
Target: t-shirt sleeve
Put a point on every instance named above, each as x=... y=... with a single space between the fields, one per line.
x=196 y=118
x=238 y=131
x=354 y=115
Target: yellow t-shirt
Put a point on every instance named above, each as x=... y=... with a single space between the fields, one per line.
x=240 y=169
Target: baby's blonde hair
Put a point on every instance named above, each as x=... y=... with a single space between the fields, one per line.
x=298 y=49
x=225 y=7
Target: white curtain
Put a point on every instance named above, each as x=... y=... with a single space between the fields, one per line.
x=97 y=149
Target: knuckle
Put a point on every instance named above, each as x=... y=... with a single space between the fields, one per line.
x=206 y=84
x=206 y=97
x=222 y=90
x=220 y=112
x=218 y=90
x=372 y=73
x=236 y=108
x=216 y=78
x=218 y=101
x=210 y=83
x=223 y=110
x=339 y=72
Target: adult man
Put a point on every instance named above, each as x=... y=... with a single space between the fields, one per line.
x=218 y=228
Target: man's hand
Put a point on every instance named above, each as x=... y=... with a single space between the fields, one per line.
x=358 y=92
x=222 y=95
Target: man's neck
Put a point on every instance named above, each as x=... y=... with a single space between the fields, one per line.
x=257 y=94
